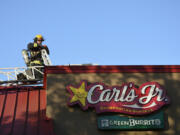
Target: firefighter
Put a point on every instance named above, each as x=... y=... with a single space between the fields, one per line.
x=35 y=51
x=35 y=54
x=33 y=57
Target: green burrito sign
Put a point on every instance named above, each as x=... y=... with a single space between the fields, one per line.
x=155 y=121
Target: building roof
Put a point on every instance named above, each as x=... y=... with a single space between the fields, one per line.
x=113 y=69
x=22 y=111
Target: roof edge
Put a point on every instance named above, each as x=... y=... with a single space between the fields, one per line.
x=112 y=69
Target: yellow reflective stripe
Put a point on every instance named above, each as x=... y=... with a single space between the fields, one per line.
x=36 y=62
x=35 y=44
x=34 y=53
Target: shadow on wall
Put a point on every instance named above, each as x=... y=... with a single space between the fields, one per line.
x=72 y=120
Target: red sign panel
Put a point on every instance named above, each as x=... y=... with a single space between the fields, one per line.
x=127 y=98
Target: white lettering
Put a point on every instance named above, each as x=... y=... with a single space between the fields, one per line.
x=131 y=96
x=90 y=94
x=132 y=122
x=126 y=93
x=106 y=95
x=160 y=95
x=151 y=94
x=122 y=98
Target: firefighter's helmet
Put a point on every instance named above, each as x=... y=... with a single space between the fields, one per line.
x=38 y=37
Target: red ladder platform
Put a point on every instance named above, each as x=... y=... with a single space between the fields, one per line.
x=22 y=111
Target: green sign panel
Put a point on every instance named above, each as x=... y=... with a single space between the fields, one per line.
x=154 y=121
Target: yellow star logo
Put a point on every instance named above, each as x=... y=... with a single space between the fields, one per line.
x=80 y=94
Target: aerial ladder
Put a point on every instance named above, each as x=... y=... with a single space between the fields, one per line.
x=25 y=75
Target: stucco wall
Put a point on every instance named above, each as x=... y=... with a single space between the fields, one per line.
x=72 y=120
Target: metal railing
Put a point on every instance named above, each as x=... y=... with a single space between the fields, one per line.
x=10 y=74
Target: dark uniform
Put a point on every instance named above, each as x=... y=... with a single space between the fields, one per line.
x=36 y=57
x=35 y=54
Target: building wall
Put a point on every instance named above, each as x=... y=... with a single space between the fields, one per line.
x=73 y=120
x=22 y=111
